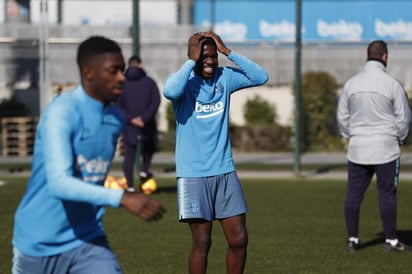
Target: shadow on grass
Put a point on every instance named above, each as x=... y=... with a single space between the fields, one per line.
x=316 y=170
x=405 y=236
x=329 y=168
x=166 y=189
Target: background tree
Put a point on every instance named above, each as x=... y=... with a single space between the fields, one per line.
x=319 y=100
x=259 y=111
x=261 y=131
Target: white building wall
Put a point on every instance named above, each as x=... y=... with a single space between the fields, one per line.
x=2 y=11
x=108 y=13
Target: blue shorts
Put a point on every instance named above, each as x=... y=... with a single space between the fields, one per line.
x=96 y=257
x=210 y=198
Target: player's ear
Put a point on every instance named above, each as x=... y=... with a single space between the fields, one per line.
x=385 y=58
x=88 y=72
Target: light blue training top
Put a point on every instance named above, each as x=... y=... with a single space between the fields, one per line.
x=64 y=202
x=201 y=109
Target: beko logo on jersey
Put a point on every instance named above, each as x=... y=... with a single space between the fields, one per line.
x=208 y=110
x=93 y=169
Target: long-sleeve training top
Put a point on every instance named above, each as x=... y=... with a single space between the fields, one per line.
x=64 y=201
x=373 y=112
x=201 y=109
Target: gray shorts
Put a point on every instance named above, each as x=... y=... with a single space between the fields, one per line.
x=210 y=198
x=93 y=257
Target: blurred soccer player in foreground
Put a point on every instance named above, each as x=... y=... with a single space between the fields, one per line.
x=207 y=183
x=373 y=112
x=58 y=224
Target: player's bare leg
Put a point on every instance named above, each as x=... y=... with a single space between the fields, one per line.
x=237 y=237
x=201 y=242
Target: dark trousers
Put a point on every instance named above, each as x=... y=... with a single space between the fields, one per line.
x=359 y=178
x=147 y=150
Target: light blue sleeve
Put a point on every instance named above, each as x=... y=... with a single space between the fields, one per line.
x=175 y=84
x=249 y=73
x=57 y=129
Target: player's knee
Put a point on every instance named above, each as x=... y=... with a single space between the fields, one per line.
x=239 y=241
x=202 y=244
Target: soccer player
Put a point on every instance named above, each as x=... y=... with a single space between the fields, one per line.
x=58 y=224
x=207 y=183
x=373 y=112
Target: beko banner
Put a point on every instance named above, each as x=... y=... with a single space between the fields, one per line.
x=339 y=20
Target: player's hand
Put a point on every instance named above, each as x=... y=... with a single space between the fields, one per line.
x=143 y=206
x=138 y=121
x=221 y=47
x=194 y=46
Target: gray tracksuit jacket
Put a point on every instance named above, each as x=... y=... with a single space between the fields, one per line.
x=373 y=112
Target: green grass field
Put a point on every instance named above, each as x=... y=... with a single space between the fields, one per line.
x=295 y=226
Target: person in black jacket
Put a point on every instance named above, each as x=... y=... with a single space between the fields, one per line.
x=140 y=102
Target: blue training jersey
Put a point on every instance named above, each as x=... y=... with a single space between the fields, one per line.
x=64 y=202
x=201 y=109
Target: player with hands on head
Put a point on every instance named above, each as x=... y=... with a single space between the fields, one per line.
x=208 y=187
x=58 y=225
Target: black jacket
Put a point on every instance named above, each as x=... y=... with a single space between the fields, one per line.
x=140 y=98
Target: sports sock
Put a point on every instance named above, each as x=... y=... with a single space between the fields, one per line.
x=354 y=240
x=393 y=242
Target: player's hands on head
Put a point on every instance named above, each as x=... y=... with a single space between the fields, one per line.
x=143 y=206
x=221 y=47
x=194 y=46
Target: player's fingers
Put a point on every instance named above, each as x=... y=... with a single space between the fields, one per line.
x=152 y=211
x=155 y=205
x=156 y=209
x=148 y=215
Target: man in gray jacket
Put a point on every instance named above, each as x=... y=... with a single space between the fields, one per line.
x=373 y=113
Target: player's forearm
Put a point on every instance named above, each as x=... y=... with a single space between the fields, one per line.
x=69 y=188
x=403 y=116
x=343 y=124
x=256 y=74
x=176 y=82
x=403 y=127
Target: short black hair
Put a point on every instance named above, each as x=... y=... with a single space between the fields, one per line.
x=209 y=41
x=95 y=45
x=376 y=49
x=135 y=58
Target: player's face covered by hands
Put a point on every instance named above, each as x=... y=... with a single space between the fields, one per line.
x=202 y=49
